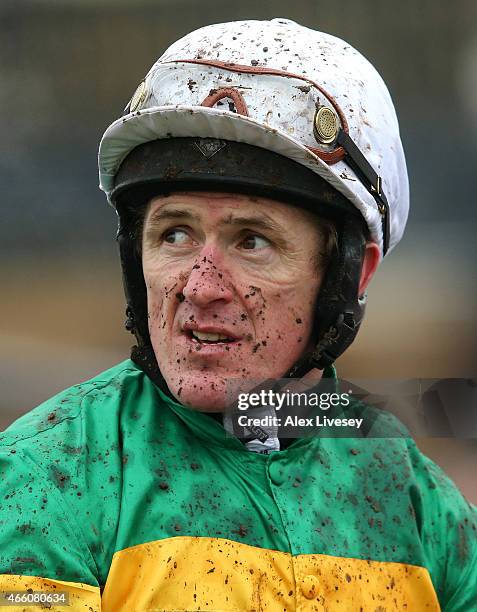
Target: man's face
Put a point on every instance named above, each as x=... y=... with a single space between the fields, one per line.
x=231 y=286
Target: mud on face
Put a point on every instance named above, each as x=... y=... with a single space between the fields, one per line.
x=232 y=282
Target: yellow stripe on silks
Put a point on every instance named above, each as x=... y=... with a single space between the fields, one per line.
x=347 y=585
x=82 y=597
x=194 y=573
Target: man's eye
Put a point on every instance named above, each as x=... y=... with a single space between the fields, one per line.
x=176 y=236
x=254 y=241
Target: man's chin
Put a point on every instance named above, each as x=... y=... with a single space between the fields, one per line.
x=204 y=390
x=202 y=400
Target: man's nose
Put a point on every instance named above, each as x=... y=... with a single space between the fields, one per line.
x=207 y=282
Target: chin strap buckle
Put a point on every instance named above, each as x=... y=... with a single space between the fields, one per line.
x=344 y=327
x=129 y=323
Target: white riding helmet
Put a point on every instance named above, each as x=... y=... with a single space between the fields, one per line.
x=283 y=87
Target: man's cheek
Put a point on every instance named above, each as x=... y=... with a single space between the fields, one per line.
x=289 y=317
x=157 y=319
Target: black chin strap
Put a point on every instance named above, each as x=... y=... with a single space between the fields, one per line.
x=339 y=309
x=370 y=179
x=145 y=358
x=136 y=298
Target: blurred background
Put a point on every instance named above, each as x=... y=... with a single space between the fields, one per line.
x=68 y=68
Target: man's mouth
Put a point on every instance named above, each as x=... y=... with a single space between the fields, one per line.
x=208 y=334
x=209 y=337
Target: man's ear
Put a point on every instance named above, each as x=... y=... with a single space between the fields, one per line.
x=370 y=263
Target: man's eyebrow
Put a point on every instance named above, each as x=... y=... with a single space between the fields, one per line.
x=257 y=221
x=164 y=214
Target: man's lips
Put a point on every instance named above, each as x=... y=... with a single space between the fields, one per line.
x=227 y=335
